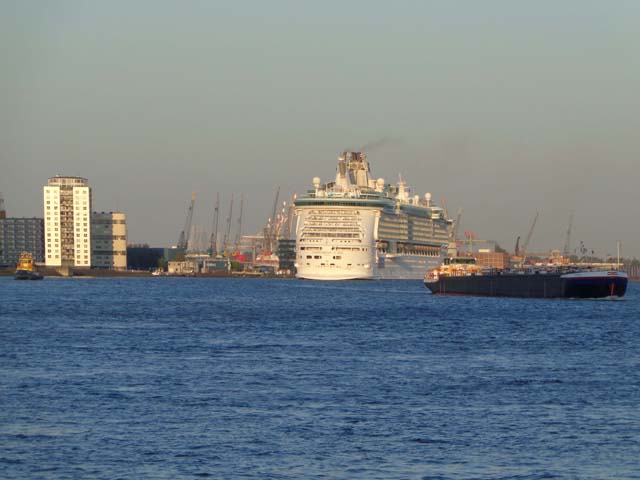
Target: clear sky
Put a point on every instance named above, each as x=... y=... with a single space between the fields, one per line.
x=505 y=108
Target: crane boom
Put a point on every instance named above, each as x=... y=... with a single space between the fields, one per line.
x=214 y=234
x=227 y=235
x=272 y=226
x=187 y=227
x=456 y=226
x=566 y=251
x=444 y=207
x=183 y=241
x=526 y=240
x=239 y=232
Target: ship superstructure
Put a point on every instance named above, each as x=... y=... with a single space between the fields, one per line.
x=360 y=228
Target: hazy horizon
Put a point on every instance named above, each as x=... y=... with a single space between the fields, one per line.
x=503 y=108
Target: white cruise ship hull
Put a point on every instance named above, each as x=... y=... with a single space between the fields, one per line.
x=336 y=243
x=404 y=267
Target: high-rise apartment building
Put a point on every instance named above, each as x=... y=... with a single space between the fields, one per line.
x=109 y=240
x=67 y=222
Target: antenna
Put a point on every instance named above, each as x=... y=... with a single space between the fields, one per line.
x=3 y=212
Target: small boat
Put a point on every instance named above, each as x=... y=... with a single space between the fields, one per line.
x=26 y=269
x=461 y=276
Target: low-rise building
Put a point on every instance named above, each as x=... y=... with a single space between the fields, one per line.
x=182 y=268
x=109 y=240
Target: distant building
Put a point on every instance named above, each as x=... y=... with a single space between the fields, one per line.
x=19 y=235
x=67 y=222
x=182 y=268
x=109 y=240
x=216 y=265
x=477 y=246
x=498 y=260
x=143 y=257
x=286 y=254
x=3 y=212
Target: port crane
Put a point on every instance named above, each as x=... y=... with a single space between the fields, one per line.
x=227 y=235
x=528 y=238
x=566 y=251
x=214 y=234
x=273 y=229
x=456 y=226
x=239 y=232
x=183 y=241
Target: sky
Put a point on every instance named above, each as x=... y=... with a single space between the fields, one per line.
x=502 y=108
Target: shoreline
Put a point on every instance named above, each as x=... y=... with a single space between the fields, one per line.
x=97 y=273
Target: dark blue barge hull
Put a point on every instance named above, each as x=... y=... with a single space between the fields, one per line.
x=538 y=285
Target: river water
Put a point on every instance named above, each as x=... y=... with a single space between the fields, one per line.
x=166 y=378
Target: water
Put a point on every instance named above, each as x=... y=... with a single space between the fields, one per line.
x=232 y=378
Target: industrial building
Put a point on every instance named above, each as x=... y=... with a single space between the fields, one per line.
x=67 y=222
x=109 y=240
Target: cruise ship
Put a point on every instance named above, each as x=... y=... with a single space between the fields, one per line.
x=357 y=227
